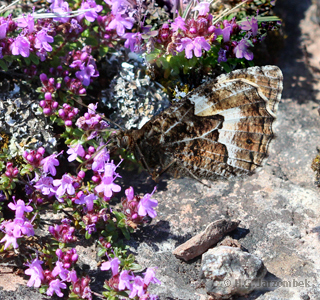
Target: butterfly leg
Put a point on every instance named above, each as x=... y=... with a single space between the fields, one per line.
x=143 y=159
x=192 y=175
x=156 y=175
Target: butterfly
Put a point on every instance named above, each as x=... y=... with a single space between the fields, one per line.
x=220 y=130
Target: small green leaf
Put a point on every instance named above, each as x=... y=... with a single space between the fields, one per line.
x=3 y=65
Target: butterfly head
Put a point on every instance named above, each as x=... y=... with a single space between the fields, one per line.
x=123 y=139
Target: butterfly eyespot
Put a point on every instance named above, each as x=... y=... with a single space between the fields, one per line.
x=249 y=141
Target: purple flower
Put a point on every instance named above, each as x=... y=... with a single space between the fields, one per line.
x=9 y=238
x=100 y=159
x=250 y=25
x=36 y=272
x=129 y=193
x=107 y=187
x=203 y=8
x=146 y=205
x=179 y=23
x=120 y=24
x=195 y=45
x=21 y=45
x=49 y=163
x=149 y=276
x=26 y=21
x=88 y=200
x=133 y=41
x=112 y=264
x=75 y=151
x=55 y=286
x=86 y=72
x=42 y=39
x=20 y=208
x=60 y=270
x=225 y=32
x=117 y=7
x=93 y=11
x=14 y=230
x=124 y=280
x=60 y=7
x=241 y=50
x=45 y=186
x=137 y=287
x=222 y=55
x=3 y=30
x=64 y=185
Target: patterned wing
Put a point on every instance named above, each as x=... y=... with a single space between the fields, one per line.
x=222 y=129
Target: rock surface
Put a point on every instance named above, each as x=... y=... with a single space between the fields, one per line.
x=229 y=271
x=205 y=239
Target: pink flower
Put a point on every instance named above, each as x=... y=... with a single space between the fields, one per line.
x=146 y=205
x=88 y=200
x=100 y=159
x=49 y=163
x=149 y=276
x=3 y=30
x=10 y=238
x=203 y=8
x=45 y=186
x=36 y=272
x=112 y=264
x=120 y=24
x=74 y=151
x=195 y=46
x=129 y=193
x=107 y=187
x=179 y=23
x=250 y=25
x=86 y=72
x=42 y=40
x=55 y=286
x=60 y=270
x=137 y=287
x=124 y=280
x=241 y=50
x=64 y=185
x=20 y=208
x=21 y=45
x=225 y=32
x=93 y=10
x=26 y=21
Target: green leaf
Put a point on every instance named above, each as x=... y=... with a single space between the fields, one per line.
x=3 y=65
x=87 y=235
x=34 y=58
x=226 y=67
x=103 y=50
x=27 y=60
x=101 y=252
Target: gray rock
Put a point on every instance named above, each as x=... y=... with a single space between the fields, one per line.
x=229 y=271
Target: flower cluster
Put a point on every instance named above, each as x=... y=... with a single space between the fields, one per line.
x=19 y=227
x=136 y=208
x=63 y=233
x=127 y=281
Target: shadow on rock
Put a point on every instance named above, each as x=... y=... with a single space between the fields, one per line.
x=293 y=61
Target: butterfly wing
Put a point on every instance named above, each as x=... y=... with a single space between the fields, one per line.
x=221 y=129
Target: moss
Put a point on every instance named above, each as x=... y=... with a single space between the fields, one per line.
x=315 y=166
